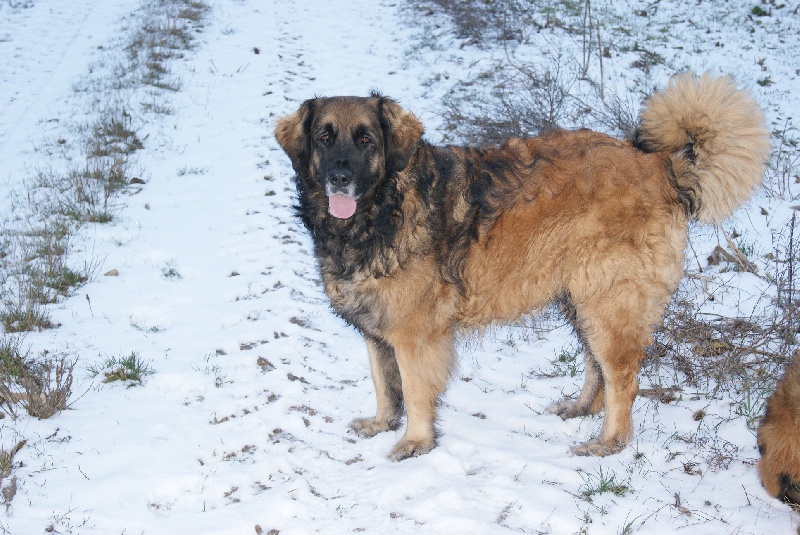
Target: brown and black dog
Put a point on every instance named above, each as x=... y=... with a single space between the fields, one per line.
x=416 y=242
x=779 y=438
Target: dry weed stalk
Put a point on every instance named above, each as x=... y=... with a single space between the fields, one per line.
x=48 y=387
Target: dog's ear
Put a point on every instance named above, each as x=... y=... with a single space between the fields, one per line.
x=401 y=134
x=292 y=134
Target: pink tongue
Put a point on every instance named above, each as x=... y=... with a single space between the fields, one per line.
x=341 y=206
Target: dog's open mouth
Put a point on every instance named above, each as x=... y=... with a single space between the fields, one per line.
x=341 y=206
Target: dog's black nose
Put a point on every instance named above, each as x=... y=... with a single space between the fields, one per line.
x=340 y=178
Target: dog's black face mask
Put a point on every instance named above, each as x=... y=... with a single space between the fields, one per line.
x=347 y=153
x=347 y=145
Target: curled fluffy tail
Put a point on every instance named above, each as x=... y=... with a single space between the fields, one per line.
x=716 y=137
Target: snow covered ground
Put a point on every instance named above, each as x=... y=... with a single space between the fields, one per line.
x=243 y=426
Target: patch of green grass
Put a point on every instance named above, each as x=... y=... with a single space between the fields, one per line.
x=747 y=249
x=752 y=400
x=23 y=317
x=567 y=363
x=13 y=369
x=131 y=368
x=12 y=357
x=46 y=275
x=65 y=279
x=193 y=11
x=101 y=217
x=80 y=193
x=627 y=529
x=765 y=82
x=603 y=482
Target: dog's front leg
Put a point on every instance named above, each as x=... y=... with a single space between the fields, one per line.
x=388 y=391
x=425 y=361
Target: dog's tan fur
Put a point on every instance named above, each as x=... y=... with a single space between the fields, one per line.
x=779 y=438
x=478 y=237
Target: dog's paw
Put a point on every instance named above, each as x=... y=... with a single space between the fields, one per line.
x=410 y=448
x=566 y=408
x=597 y=448
x=369 y=427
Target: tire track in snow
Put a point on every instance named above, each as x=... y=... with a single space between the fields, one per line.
x=40 y=61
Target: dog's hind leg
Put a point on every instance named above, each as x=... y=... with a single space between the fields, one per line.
x=388 y=391
x=425 y=361
x=590 y=400
x=618 y=325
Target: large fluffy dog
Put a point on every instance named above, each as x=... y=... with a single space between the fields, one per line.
x=779 y=438
x=417 y=242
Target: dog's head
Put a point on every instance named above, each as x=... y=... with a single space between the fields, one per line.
x=345 y=146
x=779 y=465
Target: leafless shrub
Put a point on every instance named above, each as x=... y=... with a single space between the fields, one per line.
x=47 y=386
x=743 y=356
x=525 y=99
x=41 y=386
x=516 y=98
x=484 y=21
x=481 y=21
x=612 y=114
x=520 y=101
x=739 y=356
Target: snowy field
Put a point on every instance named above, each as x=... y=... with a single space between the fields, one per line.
x=242 y=427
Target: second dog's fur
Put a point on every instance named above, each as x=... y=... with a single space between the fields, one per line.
x=779 y=438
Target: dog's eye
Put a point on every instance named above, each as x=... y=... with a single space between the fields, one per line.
x=365 y=140
x=325 y=137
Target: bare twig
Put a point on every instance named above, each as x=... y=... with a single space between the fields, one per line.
x=739 y=257
x=600 y=57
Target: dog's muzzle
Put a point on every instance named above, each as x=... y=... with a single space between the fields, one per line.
x=341 y=190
